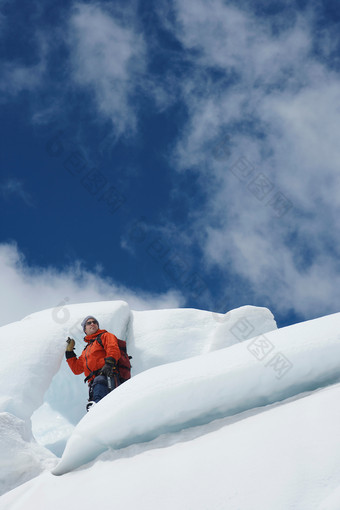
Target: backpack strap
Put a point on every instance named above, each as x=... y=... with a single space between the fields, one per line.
x=99 y=340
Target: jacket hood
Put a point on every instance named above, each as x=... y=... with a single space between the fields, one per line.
x=88 y=338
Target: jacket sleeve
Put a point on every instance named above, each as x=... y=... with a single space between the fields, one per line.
x=75 y=364
x=110 y=343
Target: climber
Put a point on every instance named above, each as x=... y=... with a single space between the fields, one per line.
x=98 y=360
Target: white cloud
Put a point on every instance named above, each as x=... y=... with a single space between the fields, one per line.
x=277 y=111
x=107 y=56
x=26 y=289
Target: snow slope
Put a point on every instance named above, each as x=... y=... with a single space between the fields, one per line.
x=223 y=411
x=282 y=457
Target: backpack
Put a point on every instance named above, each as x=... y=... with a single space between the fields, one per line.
x=123 y=364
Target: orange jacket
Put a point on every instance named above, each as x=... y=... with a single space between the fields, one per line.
x=93 y=356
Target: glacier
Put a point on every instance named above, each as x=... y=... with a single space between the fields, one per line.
x=227 y=408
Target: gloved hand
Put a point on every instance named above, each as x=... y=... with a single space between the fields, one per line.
x=110 y=367
x=70 y=344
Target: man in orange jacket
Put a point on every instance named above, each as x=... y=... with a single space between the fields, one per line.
x=98 y=361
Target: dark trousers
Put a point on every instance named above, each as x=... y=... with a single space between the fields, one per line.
x=99 y=387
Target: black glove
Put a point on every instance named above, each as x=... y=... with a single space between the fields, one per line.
x=110 y=367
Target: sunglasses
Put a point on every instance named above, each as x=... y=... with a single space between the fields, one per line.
x=91 y=322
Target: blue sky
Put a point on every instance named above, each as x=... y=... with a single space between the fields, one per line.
x=171 y=154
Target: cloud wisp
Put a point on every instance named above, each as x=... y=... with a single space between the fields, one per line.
x=107 y=58
x=14 y=187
